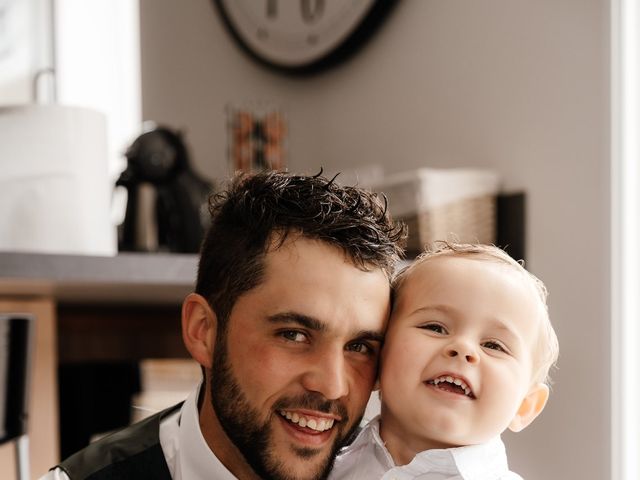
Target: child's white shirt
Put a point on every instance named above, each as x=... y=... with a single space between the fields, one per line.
x=367 y=458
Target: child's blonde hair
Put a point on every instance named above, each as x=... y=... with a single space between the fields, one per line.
x=547 y=349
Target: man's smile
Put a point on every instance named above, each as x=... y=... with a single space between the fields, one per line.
x=312 y=422
x=307 y=430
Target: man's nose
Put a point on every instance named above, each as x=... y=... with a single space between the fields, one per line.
x=462 y=349
x=327 y=374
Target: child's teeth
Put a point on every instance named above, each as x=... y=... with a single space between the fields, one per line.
x=453 y=380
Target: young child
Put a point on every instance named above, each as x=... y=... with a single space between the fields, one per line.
x=466 y=356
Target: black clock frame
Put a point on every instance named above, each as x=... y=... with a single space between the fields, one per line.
x=372 y=21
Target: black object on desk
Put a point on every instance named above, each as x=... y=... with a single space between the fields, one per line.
x=167 y=200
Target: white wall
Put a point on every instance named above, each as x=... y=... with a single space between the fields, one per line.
x=102 y=71
x=514 y=85
x=25 y=50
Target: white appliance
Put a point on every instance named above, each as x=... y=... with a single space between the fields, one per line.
x=55 y=191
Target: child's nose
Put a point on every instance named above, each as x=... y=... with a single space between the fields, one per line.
x=463 y=350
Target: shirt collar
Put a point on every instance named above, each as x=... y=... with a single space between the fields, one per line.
x=370 y=435
x=473 y=462
x=197 y=461
x=491 y=457
x=486 y=461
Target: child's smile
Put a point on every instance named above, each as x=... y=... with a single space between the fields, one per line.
x=451 y=383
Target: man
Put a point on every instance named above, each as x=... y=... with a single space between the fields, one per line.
x=291 y=303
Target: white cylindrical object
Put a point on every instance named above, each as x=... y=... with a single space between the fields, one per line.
x=55 y=191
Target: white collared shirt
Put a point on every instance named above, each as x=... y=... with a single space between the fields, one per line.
x=187 y=454
x=367 y=458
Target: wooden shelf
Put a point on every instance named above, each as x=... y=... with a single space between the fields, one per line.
x=90 y=308
x=127 y=278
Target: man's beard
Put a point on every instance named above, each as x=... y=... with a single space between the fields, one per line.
x=241 y=422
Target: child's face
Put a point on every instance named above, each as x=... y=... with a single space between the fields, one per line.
x=471 y=320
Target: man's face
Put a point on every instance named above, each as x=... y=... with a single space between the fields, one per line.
x=293 y=374
x=457 y=361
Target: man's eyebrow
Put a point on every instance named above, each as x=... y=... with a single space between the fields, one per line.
x=370 y=335
x=298 y=319
x=314 y=324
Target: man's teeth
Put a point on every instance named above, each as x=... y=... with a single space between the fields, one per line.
x=455 y=381
x=319 y=425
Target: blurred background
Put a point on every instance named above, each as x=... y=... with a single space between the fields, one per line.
x=530 y=93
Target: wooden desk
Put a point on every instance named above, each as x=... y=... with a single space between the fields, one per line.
x=89 y=308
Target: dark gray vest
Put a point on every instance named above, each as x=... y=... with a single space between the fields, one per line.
x=131 y=453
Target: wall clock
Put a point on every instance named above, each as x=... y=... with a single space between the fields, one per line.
x=302 y=36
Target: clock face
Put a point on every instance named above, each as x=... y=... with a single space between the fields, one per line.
x=301 y=34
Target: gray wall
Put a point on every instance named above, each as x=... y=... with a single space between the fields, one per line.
x=518 y=86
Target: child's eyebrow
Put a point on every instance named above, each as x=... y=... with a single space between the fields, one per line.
x=498 y=324
x=434 y=308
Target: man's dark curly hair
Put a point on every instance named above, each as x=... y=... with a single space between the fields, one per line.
x=261 y=208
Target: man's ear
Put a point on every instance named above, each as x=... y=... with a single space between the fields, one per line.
x=199 y=323
x=530 y=407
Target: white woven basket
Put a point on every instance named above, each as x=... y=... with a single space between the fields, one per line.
x=455 y=204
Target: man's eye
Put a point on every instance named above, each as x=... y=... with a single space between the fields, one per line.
x=434 y=327
x=493 y=345
x=294 y=336
x=359 y=347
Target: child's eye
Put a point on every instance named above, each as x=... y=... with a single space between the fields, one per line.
x=434 y=327
x=493 y=345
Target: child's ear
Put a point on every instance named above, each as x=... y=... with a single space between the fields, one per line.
x=530 y=407
x=199 y=323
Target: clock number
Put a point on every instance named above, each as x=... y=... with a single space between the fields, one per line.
x=311 y=10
